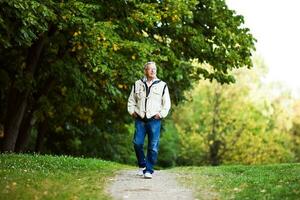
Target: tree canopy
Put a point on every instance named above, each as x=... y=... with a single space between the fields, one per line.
x=67 y=66
x=241 y=123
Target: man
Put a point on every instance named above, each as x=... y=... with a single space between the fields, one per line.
x=148 y=103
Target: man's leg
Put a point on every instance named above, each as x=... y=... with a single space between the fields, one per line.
x=138 y=141
x=153 y=129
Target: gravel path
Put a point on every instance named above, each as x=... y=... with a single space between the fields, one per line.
x=163 y=186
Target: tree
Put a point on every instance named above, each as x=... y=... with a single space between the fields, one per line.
x=226 y=124
x=295 y=131
x=59 y=58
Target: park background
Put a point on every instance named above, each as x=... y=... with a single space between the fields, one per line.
x=67 y=69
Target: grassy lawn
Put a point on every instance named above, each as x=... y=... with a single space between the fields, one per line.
x=278 y=181
x=50 y=177
x=61 y=177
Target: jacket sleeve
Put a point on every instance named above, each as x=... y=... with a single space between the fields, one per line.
x=166 y=103
x=131 y=104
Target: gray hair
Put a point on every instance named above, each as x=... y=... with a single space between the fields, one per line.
x=149 y=63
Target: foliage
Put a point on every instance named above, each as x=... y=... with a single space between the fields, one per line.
x=68 y=66
x=168 y=145
x=295 y=131
x=222 y=124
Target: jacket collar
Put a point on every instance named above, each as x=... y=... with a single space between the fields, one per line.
x=144 y=79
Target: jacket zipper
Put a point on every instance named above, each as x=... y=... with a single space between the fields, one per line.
x=147 y=93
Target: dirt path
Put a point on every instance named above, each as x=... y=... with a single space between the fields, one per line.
x=163 y=186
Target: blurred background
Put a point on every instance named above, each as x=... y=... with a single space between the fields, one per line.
x=67 y=68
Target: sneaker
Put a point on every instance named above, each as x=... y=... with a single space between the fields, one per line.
x=148 y=175
x=140 y=172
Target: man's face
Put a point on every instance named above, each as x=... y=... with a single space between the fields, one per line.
x=150 y=71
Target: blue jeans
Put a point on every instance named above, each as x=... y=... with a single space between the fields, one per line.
x=151 y=128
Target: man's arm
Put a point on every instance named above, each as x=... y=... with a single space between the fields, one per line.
x=131 y=103
x=166 y=103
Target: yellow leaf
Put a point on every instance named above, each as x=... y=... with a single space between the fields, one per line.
x=50 y=114
x=63 y=90
x=58 y=129
x=120 y=86
x=116 y=47
x=145 y=34
x=158 y=37
x=175 y=18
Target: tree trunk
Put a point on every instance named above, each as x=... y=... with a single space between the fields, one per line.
x=214 y=146
x=27 y=123
x=214 y=153
x=11 y=128
x=24 y=132
x=15 y=111
x=42 y=129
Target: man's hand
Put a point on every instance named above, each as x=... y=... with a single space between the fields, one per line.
x=134 y=115
x=157 y=116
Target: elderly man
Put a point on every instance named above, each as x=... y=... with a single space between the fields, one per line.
x=148 y=103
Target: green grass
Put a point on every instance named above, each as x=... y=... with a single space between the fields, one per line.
x=62 y=177
x=53 y=177
x=278 y=181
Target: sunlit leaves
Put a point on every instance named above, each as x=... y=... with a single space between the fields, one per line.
x=231 y=125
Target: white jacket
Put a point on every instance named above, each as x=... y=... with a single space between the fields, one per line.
x=155 y=101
